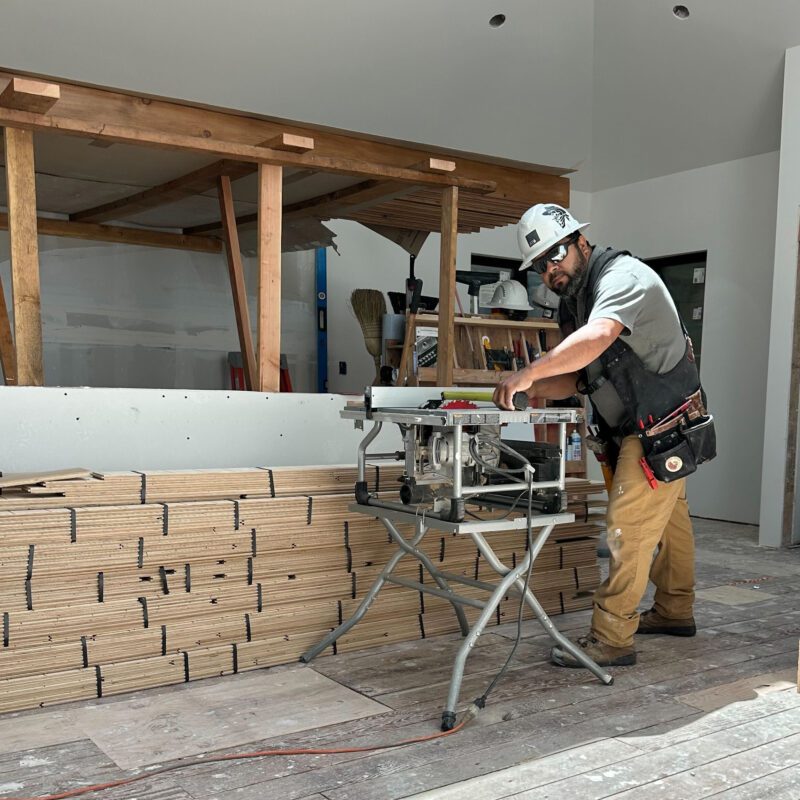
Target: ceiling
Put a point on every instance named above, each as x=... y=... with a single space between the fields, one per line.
x=619 y=89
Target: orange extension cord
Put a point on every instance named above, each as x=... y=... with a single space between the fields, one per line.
x=98 y=787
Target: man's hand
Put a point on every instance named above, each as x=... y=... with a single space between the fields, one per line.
x=504 y=392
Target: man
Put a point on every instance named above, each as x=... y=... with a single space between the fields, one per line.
x=616 y=311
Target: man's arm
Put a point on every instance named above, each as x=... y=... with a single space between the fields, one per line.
x=576 y=351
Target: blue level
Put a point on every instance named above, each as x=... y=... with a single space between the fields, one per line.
x=321 y=266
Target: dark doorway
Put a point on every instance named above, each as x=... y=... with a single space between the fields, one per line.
x=685 y=279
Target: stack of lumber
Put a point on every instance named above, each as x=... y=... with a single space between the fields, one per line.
x=206 y=573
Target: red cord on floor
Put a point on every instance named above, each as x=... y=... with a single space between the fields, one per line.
x=299 y=751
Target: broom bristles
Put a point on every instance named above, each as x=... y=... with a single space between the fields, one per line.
x=369 y=306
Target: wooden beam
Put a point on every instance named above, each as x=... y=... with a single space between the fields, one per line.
x=232 y=149
x=238 y=287
x=435 y=165
x=527 y=183
x=447 y=287
x=25 y=288
x=196 y=182
x=270 y=200
x=27 y=95
x=119 y=235
x=8 y=356
x=327 y=206
x=290 y=142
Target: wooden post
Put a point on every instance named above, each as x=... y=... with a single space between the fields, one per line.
x=238 y=288
x=447 y=287
x=270 y=216
x=8 y=358
x=25 y=289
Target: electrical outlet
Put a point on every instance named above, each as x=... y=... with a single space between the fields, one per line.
x=343 y=368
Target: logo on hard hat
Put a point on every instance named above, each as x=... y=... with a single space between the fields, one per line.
x=557 y=212
x=532 y=238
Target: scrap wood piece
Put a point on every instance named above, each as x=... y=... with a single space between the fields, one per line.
x=24 y=94
x=30 y=478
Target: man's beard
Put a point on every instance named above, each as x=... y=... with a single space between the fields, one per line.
x=575 y=281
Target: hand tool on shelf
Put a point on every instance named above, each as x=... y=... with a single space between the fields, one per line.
x=411 y=326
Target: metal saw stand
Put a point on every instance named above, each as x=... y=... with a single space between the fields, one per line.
x=510 y=578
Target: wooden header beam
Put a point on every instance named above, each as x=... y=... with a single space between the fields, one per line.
x=232 y=149
x=83 y=111
x=119 y=235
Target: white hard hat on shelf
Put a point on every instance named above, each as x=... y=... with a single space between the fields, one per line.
x=510 y=295
x=542 y=226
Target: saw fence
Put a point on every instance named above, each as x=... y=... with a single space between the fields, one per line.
x=127 y=581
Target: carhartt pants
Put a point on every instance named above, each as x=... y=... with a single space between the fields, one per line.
x=642 y=521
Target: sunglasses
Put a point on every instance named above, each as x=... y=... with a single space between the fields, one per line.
x=555 y=255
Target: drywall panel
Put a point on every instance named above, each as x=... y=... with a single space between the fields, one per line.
x=46 y=428
x=783 y=319
x=729 y=210
x=122 y=316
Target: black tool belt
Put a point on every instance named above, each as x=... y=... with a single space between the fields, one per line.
x=678 y=444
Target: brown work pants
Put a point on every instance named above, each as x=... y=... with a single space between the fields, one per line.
x=643 y=521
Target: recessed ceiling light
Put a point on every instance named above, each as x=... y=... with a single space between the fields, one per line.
x=680 y=12
x=497 y=20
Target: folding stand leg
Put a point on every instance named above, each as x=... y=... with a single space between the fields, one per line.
x=434 y=573
x=536 y=607
x=511 y=576
x=405 y=548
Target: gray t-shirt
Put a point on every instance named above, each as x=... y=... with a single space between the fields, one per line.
x=631 y=293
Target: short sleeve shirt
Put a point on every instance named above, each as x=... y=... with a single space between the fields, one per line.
x=631 y=293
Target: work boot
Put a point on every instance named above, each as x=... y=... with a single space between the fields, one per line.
x=652 y=622
x=604 y=655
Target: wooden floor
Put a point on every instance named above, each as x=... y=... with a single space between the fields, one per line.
x=717 y=715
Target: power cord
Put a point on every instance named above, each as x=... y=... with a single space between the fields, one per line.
x=193 y=762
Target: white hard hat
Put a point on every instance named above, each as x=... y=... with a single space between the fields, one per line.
x=511 y=295
x=542 y=226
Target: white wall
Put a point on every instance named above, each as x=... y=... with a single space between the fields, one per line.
x=782 y=321
x=117 y=315
x=729 y=210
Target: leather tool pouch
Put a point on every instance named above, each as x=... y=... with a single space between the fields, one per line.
x=676 y=453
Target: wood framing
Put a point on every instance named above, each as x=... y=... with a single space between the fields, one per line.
x=117 y=234
x=8 y=357
x=270 y=191
x=197 y=182
x=27 y=95
x=85 y=111
x=238 y=287
x=25 y=290
x=447 y=287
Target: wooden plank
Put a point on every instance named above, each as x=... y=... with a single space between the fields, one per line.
x=28 y=95
x=447 y=287
x=196 y=182
x=8 y=355
x=435 y=165
x=119 y=235
x=238 y=287
x=290 y=142
x=270 y=190
x=25 y=285
x=25 y=478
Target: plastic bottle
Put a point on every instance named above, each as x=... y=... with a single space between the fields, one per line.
x=574 y=447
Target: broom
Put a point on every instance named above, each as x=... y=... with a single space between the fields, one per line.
x=369 y=306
